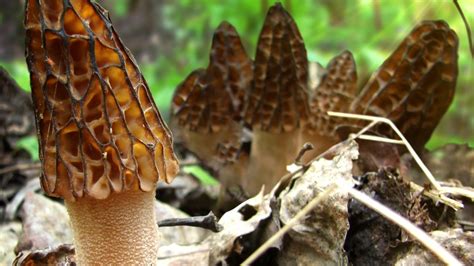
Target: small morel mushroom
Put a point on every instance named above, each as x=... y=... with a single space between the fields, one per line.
x=103 y=144
x=207 y=107
x=335 y=92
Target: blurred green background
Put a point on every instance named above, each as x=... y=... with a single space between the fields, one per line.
x=171 y=38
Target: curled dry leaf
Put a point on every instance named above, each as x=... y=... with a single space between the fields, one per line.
x=460 y=243
x=9 y=234
x=318 y=239
x=235 y=225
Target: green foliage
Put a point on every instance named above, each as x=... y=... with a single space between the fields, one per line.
x=120 y=7
x=19 y=73
x=439 y=140
x=30 y=144
x=204 y=177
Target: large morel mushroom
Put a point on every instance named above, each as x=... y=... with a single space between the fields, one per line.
x=103 y=143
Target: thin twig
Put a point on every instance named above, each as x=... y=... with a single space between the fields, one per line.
x=420 y=235
x=436 y=196
x=306 y=147
x=20 y=167
x=468 y=28
x=315 y=201
x=460 y=191
x=381 y=139
x=189 y=162
x=12 y=207
x=415 y=156
x=208 y=222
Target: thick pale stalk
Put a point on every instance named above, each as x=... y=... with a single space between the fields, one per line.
x=120 y=230
x=271 y=153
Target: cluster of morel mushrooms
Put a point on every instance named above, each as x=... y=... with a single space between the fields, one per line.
x=104 y=145
x=270 y=99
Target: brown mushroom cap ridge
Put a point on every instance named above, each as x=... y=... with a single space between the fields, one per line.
x=99 y=129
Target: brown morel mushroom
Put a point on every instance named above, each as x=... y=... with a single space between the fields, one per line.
x=277 y=104
x=415 y=85
x=207 y=107
x=336 y=91
x=103 y=144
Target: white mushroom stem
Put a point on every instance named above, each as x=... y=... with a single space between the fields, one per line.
x=119 y=230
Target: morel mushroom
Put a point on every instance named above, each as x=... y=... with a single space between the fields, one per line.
x=103 y=143
x=207 y=107
x=336 y=91
x=413 y=88
x=277 y=105
x=415 y=85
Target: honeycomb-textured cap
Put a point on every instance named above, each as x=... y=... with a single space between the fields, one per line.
x=278 y=101
x=335 y=93
x=99 y=129
x=207 y=101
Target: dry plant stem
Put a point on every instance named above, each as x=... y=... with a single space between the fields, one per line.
x=209 y=222
x=381 y=139
x=466 y=24
x=290 y=224
x=456 y=205
x=20 y=167
x=407 y=144
x=444 y=255
x=460 y=191
x=119 y=230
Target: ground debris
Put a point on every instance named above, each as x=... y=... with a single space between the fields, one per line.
x=9 y=234
x=60 y=255
x=45 y=224
x=460 y=243
x=319 y=238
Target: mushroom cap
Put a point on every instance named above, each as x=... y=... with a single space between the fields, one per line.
x=278 y=100
x=208 y=100
x=336 y=91
x=98 y=126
